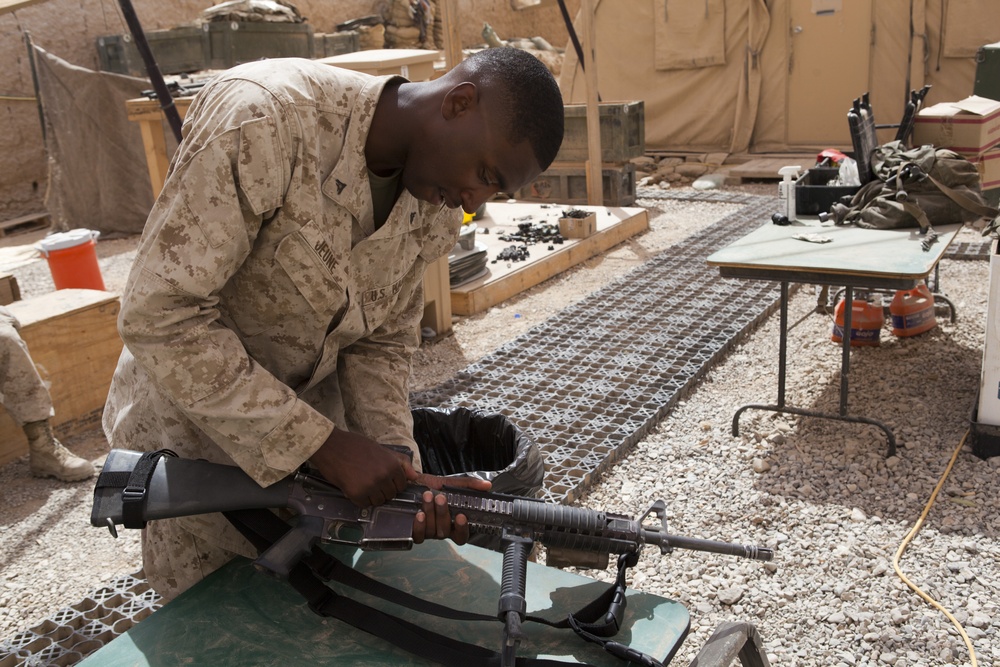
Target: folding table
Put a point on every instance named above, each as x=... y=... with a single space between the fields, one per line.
x=892 y=259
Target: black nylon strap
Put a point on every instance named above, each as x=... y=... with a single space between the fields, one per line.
x=112 y=479
x=134 y=493
x=262 y=528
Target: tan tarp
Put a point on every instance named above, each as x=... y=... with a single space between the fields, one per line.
x=740 y=102
x=97 y=167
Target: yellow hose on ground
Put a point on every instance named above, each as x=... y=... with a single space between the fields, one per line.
x=913 y=532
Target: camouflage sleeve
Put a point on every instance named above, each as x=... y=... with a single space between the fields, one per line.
x=374 y=372
x=232 y=169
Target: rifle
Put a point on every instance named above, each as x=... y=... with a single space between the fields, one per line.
x=134 y=488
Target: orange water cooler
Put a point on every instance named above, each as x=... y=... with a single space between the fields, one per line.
x=72 y=259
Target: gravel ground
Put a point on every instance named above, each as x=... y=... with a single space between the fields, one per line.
x=819 y=491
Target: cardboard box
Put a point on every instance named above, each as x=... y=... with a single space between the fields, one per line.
x=971 y=126
x=988 y=164
x=989 y=386
x=578 y=226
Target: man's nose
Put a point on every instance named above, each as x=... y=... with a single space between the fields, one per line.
x=473 y=199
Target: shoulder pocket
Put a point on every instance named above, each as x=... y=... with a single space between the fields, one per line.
x=261 y=169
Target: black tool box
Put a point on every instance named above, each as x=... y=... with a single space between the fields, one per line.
x=815 y=195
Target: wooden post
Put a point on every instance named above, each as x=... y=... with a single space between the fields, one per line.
x=595 y=187
x=452 y=39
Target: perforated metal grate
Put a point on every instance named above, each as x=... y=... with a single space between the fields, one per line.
x=969 y=250
x=590 y=382
x=73 y=633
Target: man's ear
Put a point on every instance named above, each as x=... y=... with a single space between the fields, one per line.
x=459 y=100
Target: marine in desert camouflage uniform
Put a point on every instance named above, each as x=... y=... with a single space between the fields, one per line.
x=275 y=300
x=28 y=402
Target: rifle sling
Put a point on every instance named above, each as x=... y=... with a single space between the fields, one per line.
x=262 y=528
x=135 y=488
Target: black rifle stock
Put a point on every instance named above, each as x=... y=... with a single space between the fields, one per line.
x=184 y=487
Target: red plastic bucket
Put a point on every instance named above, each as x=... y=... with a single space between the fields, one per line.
x=72 y=259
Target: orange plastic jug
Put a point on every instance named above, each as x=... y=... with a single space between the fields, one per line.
x=912 y=311
x=866 y=323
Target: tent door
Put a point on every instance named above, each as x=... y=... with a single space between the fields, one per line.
x=819 y=95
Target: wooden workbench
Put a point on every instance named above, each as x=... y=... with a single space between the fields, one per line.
x=506 y=278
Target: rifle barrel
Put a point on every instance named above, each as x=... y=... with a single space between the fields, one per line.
x=712 y=546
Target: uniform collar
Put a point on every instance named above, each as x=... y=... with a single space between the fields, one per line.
x=347 y=184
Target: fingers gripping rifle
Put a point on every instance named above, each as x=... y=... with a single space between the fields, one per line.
x=134 y=488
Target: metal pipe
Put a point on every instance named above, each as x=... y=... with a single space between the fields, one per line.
x=162 y=94
x=34 y=80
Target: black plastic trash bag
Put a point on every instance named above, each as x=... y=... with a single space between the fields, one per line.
x=486 y=446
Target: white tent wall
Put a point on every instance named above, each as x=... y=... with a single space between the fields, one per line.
x=791 y=67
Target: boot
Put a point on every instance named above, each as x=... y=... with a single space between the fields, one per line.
x=50 y=459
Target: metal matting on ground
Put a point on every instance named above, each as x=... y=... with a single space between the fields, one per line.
x=73 y=633
x=590 y=382
x=587 y=384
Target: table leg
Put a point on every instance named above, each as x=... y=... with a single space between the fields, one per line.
x=845 y=367
x=783 y=344
x=845 y=346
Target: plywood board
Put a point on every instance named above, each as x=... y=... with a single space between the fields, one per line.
x=506 y=279
x=73 y=338
x=7 y=6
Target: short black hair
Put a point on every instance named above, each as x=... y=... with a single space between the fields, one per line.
x=533 y=102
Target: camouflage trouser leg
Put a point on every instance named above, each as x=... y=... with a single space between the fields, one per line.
x=174 y=560
x=21 y=388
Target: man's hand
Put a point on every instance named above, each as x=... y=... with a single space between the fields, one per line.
x=435 y=520
x=367 y=472
x=370 y=474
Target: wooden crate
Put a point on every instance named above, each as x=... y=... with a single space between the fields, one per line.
x=623 y=132
x=73 y=338
x=566 y=183
x=233 y=42
x=335 y=43
x=176 y=50
x=9 y=290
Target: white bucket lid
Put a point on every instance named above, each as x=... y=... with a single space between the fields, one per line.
x=63 y=240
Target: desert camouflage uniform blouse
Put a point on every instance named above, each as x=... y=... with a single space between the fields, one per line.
x=263 y=307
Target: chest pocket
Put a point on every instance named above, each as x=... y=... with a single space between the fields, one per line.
x=316 y=268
